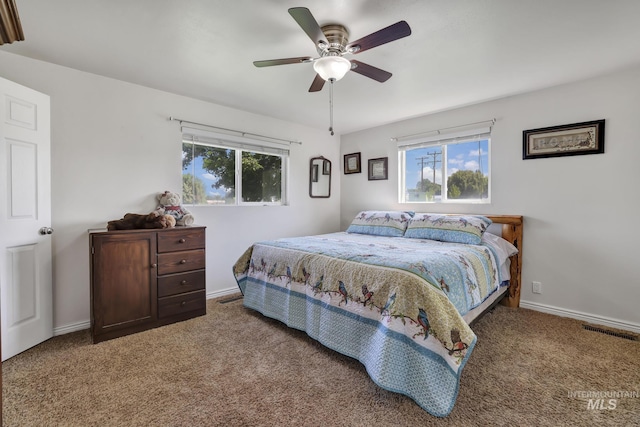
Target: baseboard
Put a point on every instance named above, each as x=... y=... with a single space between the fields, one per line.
x=223 y=292
x=590 y=318
x=67 y=329
x=562 y=312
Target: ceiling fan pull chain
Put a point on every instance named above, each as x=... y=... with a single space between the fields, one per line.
x=331 y=106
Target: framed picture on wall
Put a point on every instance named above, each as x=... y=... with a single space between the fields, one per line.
x=566 y=140
x=378 y=168
x=352 y=163
x=326 y=167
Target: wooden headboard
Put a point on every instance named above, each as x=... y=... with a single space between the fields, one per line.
x=512 y=226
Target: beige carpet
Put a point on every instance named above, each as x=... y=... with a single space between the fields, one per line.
x=233 y=367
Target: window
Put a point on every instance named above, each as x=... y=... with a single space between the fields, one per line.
x=453 y=168
x=230 y=170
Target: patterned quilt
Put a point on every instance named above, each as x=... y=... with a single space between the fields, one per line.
x=393 y=303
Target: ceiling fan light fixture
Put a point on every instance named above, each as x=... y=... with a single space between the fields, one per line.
x=332 y=67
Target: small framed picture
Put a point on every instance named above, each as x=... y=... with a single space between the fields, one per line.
x=352 y=163
x=378 y=168
x=566 y=140
x=326 y=167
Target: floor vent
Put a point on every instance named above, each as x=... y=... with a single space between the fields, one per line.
x=232 y=299
x=630 y=337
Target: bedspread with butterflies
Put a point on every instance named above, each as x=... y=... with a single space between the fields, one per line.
x=393 y=303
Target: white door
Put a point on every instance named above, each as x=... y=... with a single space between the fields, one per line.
x=25 y=218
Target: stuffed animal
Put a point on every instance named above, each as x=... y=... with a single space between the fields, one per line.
x=170 y=205
x=136 y=221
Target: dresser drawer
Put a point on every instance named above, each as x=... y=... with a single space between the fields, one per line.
x=181 y=240
x=181 y=283
x=183 y=303
x=177 y=262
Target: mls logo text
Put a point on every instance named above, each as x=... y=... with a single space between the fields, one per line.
x=602 y=404
x=603 y=400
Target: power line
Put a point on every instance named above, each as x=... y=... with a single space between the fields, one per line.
x=432 y=157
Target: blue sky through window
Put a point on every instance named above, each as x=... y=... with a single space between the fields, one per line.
x=206 y=177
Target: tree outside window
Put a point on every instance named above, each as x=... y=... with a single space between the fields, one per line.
x=210 y=175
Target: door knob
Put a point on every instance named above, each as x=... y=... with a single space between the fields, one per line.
x=46 y=230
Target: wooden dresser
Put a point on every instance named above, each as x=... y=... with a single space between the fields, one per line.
x=142 y=279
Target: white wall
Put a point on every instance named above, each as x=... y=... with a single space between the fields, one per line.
x=114 y=149
x=581 y=212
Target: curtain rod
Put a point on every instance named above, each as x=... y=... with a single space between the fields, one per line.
x=236 y=131
x=397 y=138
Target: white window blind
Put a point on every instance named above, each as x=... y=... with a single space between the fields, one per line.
x=442 y=137
x=201 y=136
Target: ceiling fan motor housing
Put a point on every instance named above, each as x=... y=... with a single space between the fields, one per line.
x=337 y=36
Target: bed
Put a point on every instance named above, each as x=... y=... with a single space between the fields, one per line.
x=397 y=291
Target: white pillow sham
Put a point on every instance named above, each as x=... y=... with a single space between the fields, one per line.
x=504 y=249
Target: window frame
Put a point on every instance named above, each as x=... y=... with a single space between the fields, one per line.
x=443 y=141
x=241 y=144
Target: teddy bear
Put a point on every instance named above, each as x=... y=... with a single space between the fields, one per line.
x=170 y=205
x=133 y=221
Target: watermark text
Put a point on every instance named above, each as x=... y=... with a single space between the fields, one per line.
x=603 y=399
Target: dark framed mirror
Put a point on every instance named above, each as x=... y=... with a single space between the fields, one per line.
x=319 y=177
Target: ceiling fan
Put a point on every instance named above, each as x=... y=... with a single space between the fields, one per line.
x=332 y=44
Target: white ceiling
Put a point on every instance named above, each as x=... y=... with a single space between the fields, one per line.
x=460 y=52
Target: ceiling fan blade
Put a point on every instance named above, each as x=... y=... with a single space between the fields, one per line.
x=308 y=23
x=317 y=85
x=370 y=71
x=392 y=32
x=271 y=62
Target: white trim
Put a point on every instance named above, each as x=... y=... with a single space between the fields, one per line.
x=74 y=327
x=599 y=320
x=223 y=292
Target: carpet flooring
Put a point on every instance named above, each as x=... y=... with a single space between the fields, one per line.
x=234 y=367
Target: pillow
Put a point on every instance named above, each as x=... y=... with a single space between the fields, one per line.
x=504 y=250
x=448 y=228
x=381 y=223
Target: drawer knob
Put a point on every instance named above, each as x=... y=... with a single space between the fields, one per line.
x=184 y=282
x=154 y=265
x=183 y=261
x=182 y=240
x=183 y=303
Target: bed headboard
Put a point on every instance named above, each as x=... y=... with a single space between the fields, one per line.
x=512 y=226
